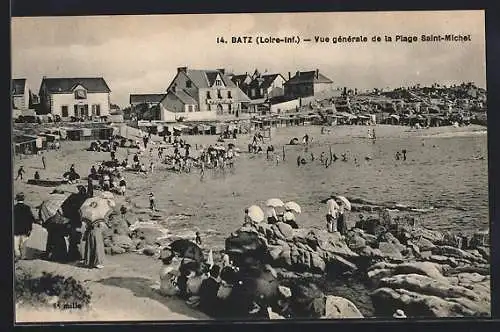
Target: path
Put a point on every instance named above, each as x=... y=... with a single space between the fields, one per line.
x=125 y=289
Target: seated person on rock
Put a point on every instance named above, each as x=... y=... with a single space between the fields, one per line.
x=208 y=291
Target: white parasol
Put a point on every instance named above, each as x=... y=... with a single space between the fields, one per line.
x=345 y=202
x=274 y=202
x=288 y=216
x=255 y=213
x=293 y=206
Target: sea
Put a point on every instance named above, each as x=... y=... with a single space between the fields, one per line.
x=444 y=176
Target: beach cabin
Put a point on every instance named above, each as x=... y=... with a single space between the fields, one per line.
x=88 y=133
x=29 y=144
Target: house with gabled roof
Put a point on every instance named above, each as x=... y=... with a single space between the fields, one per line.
x=308 y=84
x=84 y=97
x=242 y=81
x=266 y=86
x=20 y=94
x=196 y=95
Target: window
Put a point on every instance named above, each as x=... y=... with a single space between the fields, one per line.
x=230 y=108
x=96 y=110
x=261 y=92
x=229 y=94
x=253 y=92
x=218 y=82
x=190 y=108
x=209 y=107
x=188 y=84
x=80 y=94
x=208 y=95
x=219 y=95
x=64 y=111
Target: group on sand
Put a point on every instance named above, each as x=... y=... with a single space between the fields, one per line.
x=66 y=230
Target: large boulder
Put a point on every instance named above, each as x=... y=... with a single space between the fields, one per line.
x=122 y=241
x=420 y=295
x=390 y=251
x=338 y=307
x=148 y=234
x=325 y=241
x=116 y=250
x=458 y=253
x=417 y=305
x=285 y=230
x=388 y=237
x=424 y=244
x=382 y=270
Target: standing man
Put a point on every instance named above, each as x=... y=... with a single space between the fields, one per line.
x=20 y=173
x=43 y=161
x=152 y=203
x=331 y=215
x=23 y=224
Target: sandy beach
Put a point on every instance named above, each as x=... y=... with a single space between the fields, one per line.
x=214 y=205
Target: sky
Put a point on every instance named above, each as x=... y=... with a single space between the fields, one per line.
x=140 y=54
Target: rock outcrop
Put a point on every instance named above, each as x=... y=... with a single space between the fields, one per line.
x=302 y=249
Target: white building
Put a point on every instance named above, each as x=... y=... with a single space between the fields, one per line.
x=75 y=97
x=198 y=95
x=20 y=94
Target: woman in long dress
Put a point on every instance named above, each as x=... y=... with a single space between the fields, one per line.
x=57 y=229
x=94 y=245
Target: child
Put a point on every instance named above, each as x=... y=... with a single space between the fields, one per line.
x=198 y=239
x=123 y=186
x=152 y=203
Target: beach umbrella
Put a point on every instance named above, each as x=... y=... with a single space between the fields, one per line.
x=288 y=216
x=274 y=202
x=57 y=219
x=345 y=201
x=293 y=206
x=72 y=204
x=96 y=208
x=187 y=249
x=49 y=208
x=255 y=213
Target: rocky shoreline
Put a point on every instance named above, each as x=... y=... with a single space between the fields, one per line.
x=426 y=273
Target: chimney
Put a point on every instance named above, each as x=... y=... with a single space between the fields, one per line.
x=317 y=73
x=182 y=69
x=297 y=73
x=222 y=70
x=289 y=75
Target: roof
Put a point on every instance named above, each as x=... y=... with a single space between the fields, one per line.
x=18 y=86
x=265 y=81
x=239 y=78
x=202 y=78
x=66 y=85
x=146 y=98
x=242 y=97
x=184 y=97
x=308 y=77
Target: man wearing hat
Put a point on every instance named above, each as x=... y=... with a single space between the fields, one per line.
x=23 y=224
